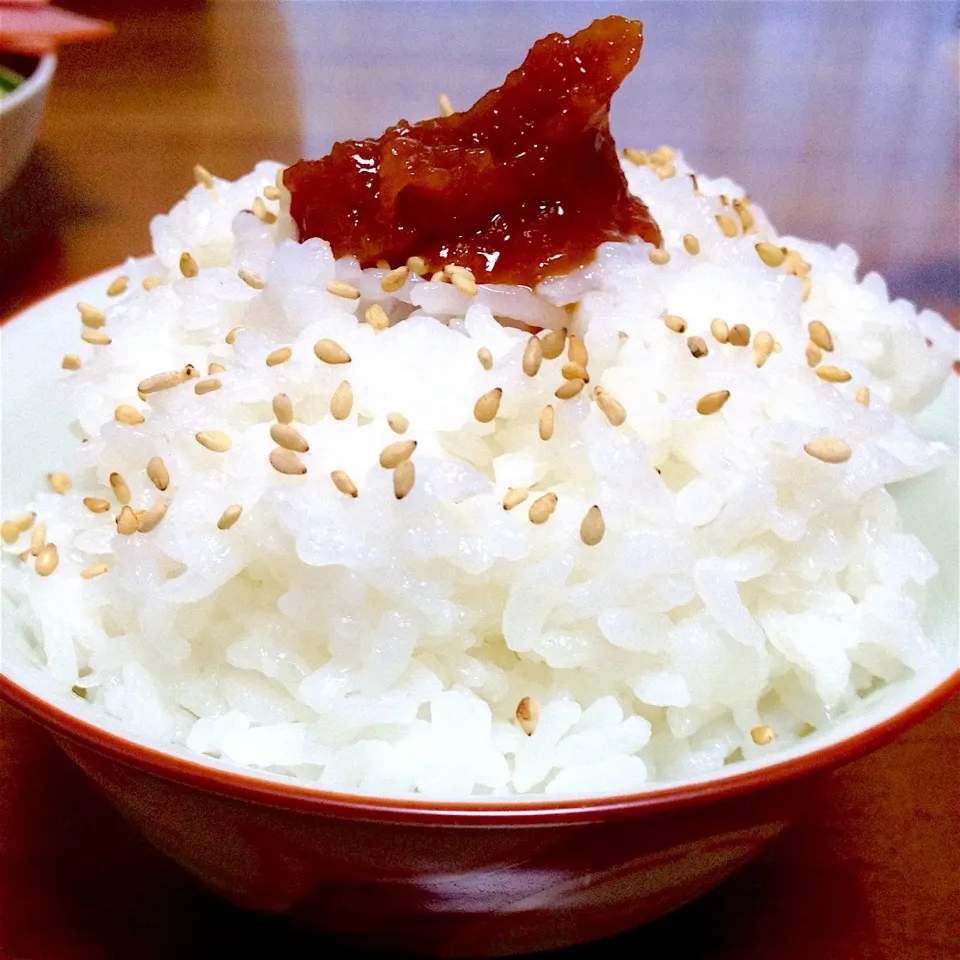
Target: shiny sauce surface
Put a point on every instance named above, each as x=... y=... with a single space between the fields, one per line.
x=524 y=185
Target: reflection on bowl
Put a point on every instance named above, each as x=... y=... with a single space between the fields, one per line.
x=21 y=112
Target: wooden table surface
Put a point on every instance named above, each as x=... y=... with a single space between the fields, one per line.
x=841 y=119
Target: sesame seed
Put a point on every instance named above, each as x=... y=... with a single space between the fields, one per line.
x=393 y=454
x=694 y=184
x=568 y=389
x=546 y=422
x=38 y=539
x=833 y=374
x=394 y=279
x=229 y=516
x=438 y=277
x=286 y=462
x=712 y=402
x=271 y=192
x=188 y=266
x=117 y=286
x=744 y=213
x=341 y=403
x=638 y=158
x=542 y=508
x=231 y=337
x=659 y=257
x=329 y=351
x=283 y=408
x=813 y=354
x=162 y=381
x=761 y=736
x=127 y=522
x=286 y=436
x=158 y=473
x=59 y=482
x=91 y=316
x=666 y=171
x=417 y=265
x=528 y=715
x=97 y=570
x=215 y=440
x=486 y=358
x=216 y=368
x=793 y=263
x=278 y=356
x=820 y=335
x=574 y=371
x=806 y=290
x=485 y=409
x=151 y=517
x=612 y=409
x=120 y=489
x=770 y=254
x=24 y=521
x=202 y=176
x=71 y=362
x=376 y=316
x=404 y=476
x=675 y=323
x=691 y=244
x=762 y=347
x=340 y=288
x=96 y=504
x=251 y=279
x=577 y=351
x=727 y=225
x=278 y=178
x=552 y=343
x=150 y=282
x=739 y=335
x=697 y=346
x=95 y=337
x=592 y=527
x=829 y=450
x=446 y=108
x=9 y=531
x=464 y=283
x=261 y=212
x=343 y=483
x=862 y=396
x=720 y=330
x=514 y=497
x=47 y=560
x=398 y=422
x=532 y=357
x=207 y=386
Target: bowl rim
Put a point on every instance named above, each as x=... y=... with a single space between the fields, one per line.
x=31 y=85
x=294 y=797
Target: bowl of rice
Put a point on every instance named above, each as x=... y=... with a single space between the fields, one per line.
x=473 y=618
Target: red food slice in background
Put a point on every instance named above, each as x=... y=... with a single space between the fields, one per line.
x=31 y=27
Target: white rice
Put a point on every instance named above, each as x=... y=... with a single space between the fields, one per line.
x=382 y=646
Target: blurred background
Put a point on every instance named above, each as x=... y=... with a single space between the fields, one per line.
x=841 y=119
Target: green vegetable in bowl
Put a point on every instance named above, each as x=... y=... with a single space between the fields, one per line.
x=9 y=81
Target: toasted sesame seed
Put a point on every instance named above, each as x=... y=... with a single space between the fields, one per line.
x=813 y=354
x=329 y=351
x=697 y=346
x=120 y=489
x=417 y=265
x=793 y=263
x=744 y=213
x=393 y=280
x=770 y=254
x=532 y=357
x=286 y=436
x=739 y=335
x=188 y=266
x=341 y=403
x=398 y=422
x=38 y=539
x=486 y=358
x=215 y=440
x=464 y=283
x=150 y=282
x=592 y=528
x=720 y=330
x=47 y=560
x=820 y=335
x=675 y=323
x=97 y=570
x=71 y=362
x=96 y=504
x=9 y=531
x=162 y=381
x=278 y=356
x=278 y=177
x=806 y=289
x=91 y=316
x=343 y=483
x=24 y=521
x=127 y=522
x=376 y=316
x=833 y=374
x=261 y=212
x=404 y=476
x=639 y=158
x=485 y=409
x=666 y=171
x=59 y=482
x=231 y=337
x=117 y=286
x=553 y=342
x=528 y=715
x=202 y=176
x=659 y=257
x=152 y=517
x=251 y=279
x=612 y=409
x=829 y=450
x=712 y=402
x=393 y=454
x=514 y=497
x=862 y=396
x=762 y=347
x=439 y=277
x=215 y=367
x=283 y=408
x=229 y=516
x=546 y=422
x=663 y=154
x=568 y=389
x=202 y=387
x=158 y=473
x=542 y=508
x=271 y=192
x=446 y=108
x=691 y=244
x=96 y=337
x=574 y=371
x=727 y=225
x=286 y=462
x=761 y=736
x=340 y=288
x=577 y=351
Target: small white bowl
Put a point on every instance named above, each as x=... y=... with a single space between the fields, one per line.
x=20 y=115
